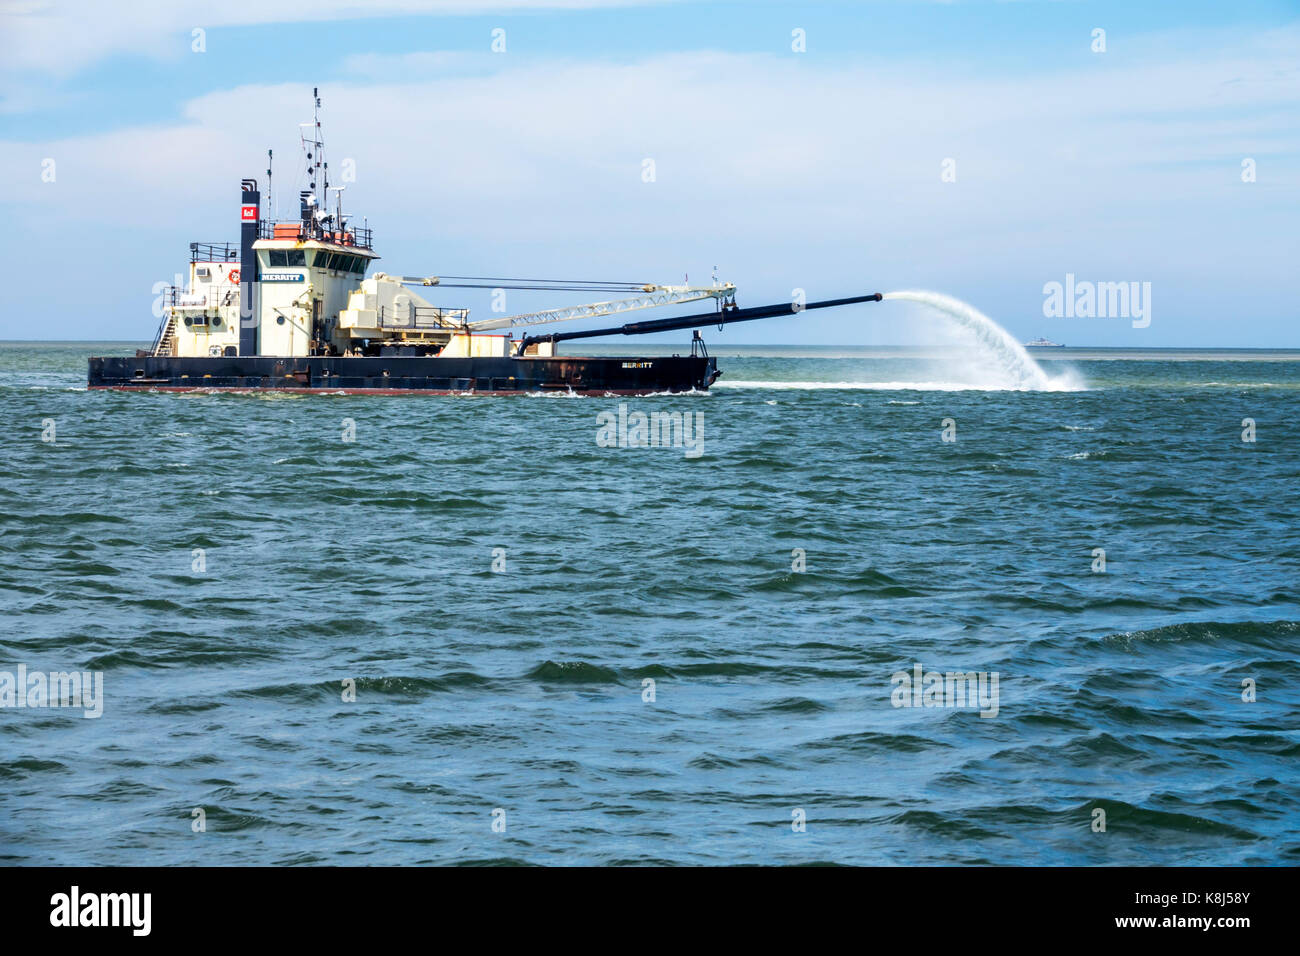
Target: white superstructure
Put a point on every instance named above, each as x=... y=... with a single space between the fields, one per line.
x=300 y=288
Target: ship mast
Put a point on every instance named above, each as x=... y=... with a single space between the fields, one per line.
x=313 y=149
x=318 y=170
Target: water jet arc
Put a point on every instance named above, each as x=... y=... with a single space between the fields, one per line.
x=993 y=338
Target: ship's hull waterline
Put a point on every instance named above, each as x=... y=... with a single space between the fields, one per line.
x=402 y=375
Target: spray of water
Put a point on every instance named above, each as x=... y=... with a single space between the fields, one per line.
x=998 y=350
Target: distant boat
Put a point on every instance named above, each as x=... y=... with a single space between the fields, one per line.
x=1043 y=343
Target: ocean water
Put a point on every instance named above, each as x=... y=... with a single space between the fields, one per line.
x=232 y=566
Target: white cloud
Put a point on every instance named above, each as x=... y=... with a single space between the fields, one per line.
x=788 y=167
x=63 y=36
x=736 y=139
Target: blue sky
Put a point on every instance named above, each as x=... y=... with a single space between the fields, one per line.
x=818 y=170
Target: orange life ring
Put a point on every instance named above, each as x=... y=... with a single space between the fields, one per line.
x=233 y=276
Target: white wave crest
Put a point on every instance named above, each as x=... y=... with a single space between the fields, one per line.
x=1050 y=386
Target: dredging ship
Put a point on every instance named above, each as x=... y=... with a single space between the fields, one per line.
x=293 y=309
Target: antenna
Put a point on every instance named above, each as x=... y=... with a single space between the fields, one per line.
x=322 y=168
x=269 y=191
x=317 y=169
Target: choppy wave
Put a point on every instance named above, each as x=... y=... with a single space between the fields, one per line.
x=329 y=644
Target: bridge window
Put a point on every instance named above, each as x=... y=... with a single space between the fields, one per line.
x=296 y=257
x=278 y=258
x=337 y=261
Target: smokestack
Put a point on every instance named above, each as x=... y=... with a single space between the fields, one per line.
x=250 y=220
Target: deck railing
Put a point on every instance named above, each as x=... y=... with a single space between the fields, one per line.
x=357 y=236
x=213 y=252
x=216 y=296
x=421 y=317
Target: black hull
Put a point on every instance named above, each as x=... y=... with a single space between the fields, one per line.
x=396 y=375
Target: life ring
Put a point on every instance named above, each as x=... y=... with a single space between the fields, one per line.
x=233 y=276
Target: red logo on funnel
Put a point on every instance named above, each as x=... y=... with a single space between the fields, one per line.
x=248 y=214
